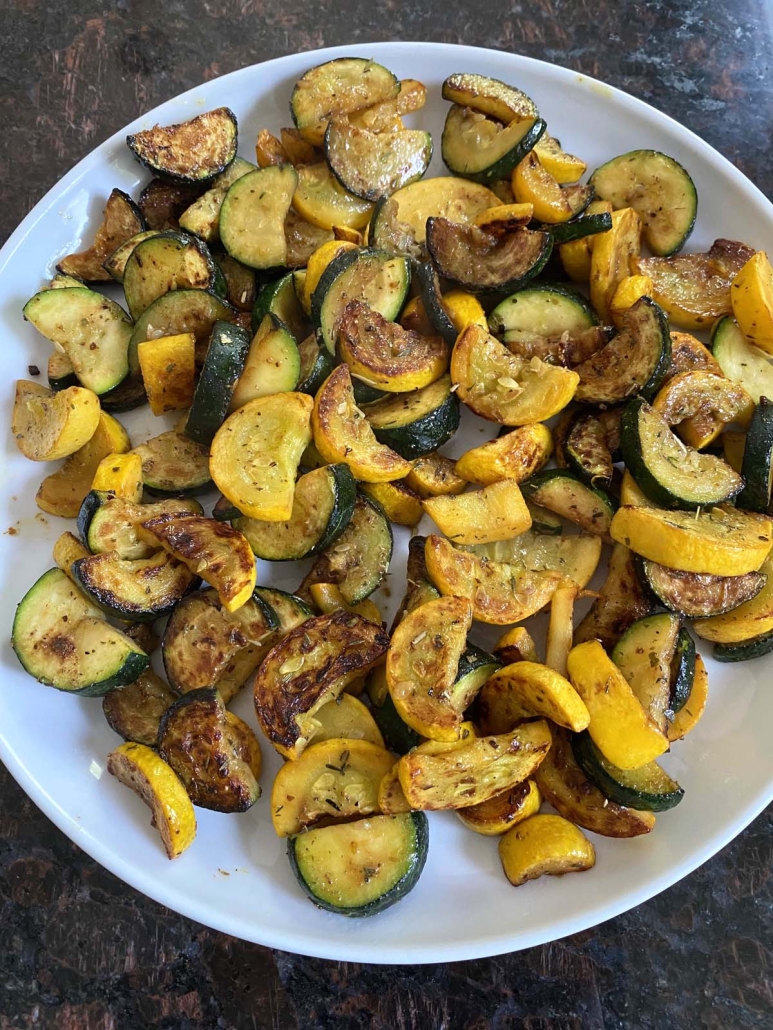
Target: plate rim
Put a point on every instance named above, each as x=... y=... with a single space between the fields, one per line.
x=289 y=940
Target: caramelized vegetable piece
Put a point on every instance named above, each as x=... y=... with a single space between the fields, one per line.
x=496 y=816
x=47 y=425
x=516 y=455
x=620 y=602
x=308 y=668
x=516 y=645
x=565 y=786
x=699 y=404
x=149 y=776
x=168 y=369
x=687 y=718
x=497 y=512
x=338 y=87
x=533 y=184
x=192 y=151
x=342 y=433
x=526 y=689
x=620 y=727
x=475 y=772
x=434 y=475
x=545 y=844
x=120 y=474
x=611 y=259
x=215 y=754
x=121 y=219
x=213 y=550
x=347 y=718
x=479 y=261
x=752 y=299
x=421 y=667
x=135 y=711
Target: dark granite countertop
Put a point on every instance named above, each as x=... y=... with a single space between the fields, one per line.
x=79 y=950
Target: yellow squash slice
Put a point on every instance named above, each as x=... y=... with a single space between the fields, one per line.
x=496 y=816
x=349 y=718
x=516 y=455
x=69 y=549
x=719 y=542
x=120 y=474
x=458 y=200
x=628 y=291
x=750 y=619
x=421 y=667
x=699 y=403
x=497 y=512
x=62 y=492
x=168 y=369
x=391 y=799
x=401 y=504
x=545 y=844
x=611 y=258
x=500 y=593
x=620 y=727
x=343 y=434
x=752 y=298
x=255 y=454
x=527 y=689
x=533 y=184
x=475 y=772
x=213 y=550
x=333 y=780
x=434 y=475
x=576 y=255
x=687 y=718
x=560 y=634
x=502 y=387
x=564 y=168
x=148 y=775
x=516 y=645
x=48 y=425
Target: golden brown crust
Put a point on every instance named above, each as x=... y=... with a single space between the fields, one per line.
x=120 y=221
x=192 y=151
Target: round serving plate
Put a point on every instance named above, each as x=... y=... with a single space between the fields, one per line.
x=235 y=877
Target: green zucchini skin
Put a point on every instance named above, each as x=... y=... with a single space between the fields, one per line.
x=658 y=188
x=364 y=393
x=166 y=261
x=316 y=366
x=649 y=788
x=412 y=825
x=577 y=228
x=562 y=492
x=500 y=168
x=288 y=610
x=398 y=736
x=128 y=395
x=755 y=647
x=226 y=354
x=416 y=423
x=179 y=311
x=224 y=510
x=671 y=474
x=587 y=449
x=314 y=528
x=61 y=374
x=545 y=309
x=346 y=278
x=682 y=670
x=757 y=467
x=695 y=595
x=432 y=299
x=646 y=656
x=31 y=642
x=165 y=151
x=280 y=298
x=117 y=586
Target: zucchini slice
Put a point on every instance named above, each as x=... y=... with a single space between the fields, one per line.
x=338 y=87
x=504 y=388
x=316 y=365
x=290 y=610
x=224 y=510
x=621 y=601
x=372 y=165
x=308 y=668
x=580 y=227
x=645 y=654
x=260 y=198
x=358 y=560
x=384 y=355
x=206 y=646
x=489 y=96
x=108 y=523
x=140 y=590
x=93 y=331
x=592 y=445
x=303 y=239
x=321 y=199
x=720 y=542
x=459 y=200
x=636 y=360
x=748 y=620
x=386 y=232
x=135 y=711
x=322 y=507
x=342 y=433
x=362 y=867
x=279 y=298
x=62 y=639
x=163 y=201
x=694 y=289
x=256 y=452
x=757 y=466
x=215 y=755
x=648 y=789
x=670 y=473
x=683 y=671
x=417 y=423
x=128 y=395
x=480 y=262
x=547 y=310
x=121 y=220
x=272 y=365
x=565 y=786
x=745 y=651
x=695 y=595
x=193 y=151
x=559 y=490
x=164 y=262
x=173 y=465
x=659 y=190
x=202 y=218
x=741 y=361
x=223 y=366
x=479 y=148
x=432 y=301
x=177 y=312
x=377 y=279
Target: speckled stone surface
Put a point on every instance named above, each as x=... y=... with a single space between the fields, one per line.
x=81 y=951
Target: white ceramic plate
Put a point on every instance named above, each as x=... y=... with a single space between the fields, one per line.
x=235 y=877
